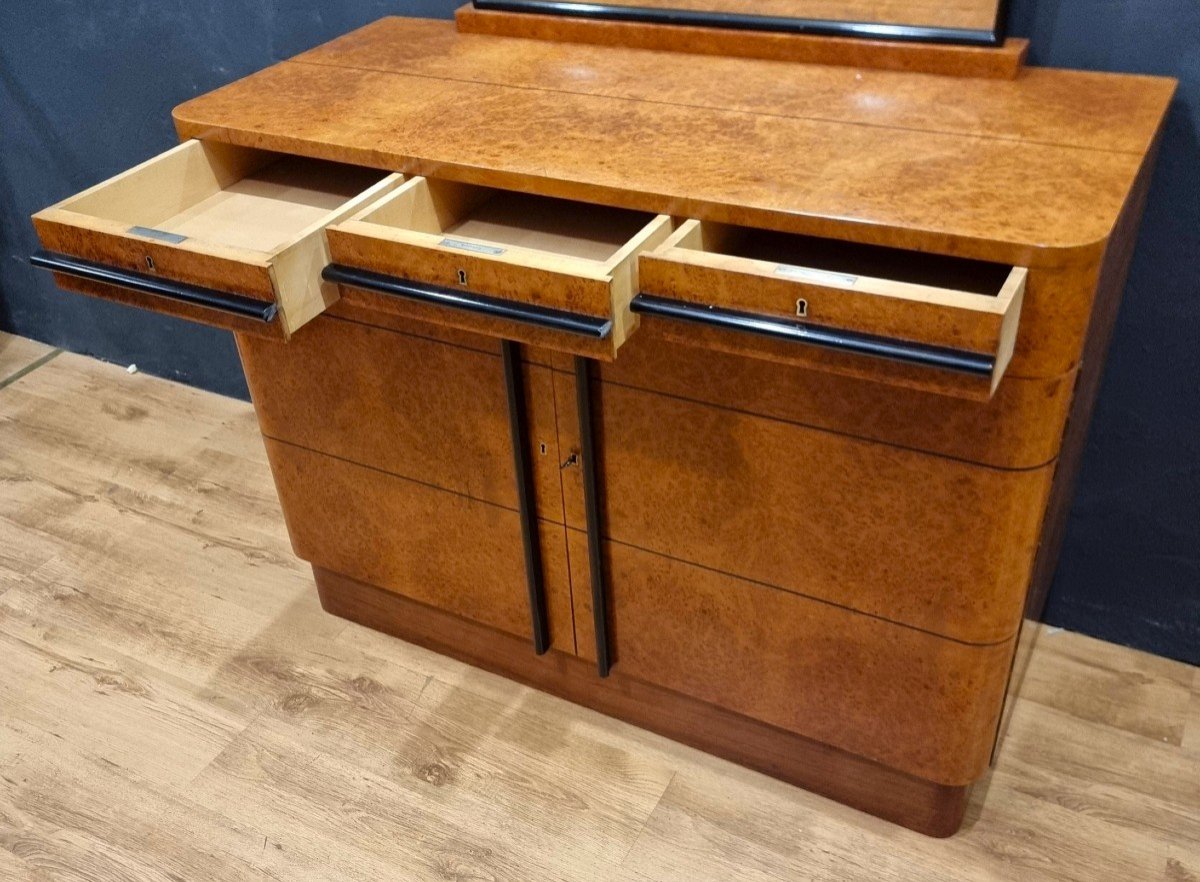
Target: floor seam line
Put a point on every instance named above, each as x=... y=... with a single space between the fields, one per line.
x=646 y=822
x=30 y=368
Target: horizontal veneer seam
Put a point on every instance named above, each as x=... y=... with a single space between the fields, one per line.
x=985 y=644
x=427 y=484
x=713 y=107
x=815 y=428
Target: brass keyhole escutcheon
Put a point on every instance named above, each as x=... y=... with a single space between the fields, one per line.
x=802 y=308
x=462 y=277
x=149 y=263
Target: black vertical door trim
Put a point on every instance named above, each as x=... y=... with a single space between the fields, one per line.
x=525 y=496
x=591 y=503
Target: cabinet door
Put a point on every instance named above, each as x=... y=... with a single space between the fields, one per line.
x=921 y=540
x=393 y=459
x=899 y=696
x=849 y=591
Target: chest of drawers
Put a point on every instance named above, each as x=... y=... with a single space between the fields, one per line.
x=738 y=399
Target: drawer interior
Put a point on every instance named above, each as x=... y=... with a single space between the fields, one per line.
x=463 y=215
x=840 y=263
x=226 y=196
x=210 y=232
x=903 y=317
x=549 y=272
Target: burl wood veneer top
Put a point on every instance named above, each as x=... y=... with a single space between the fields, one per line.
x=1031 y=171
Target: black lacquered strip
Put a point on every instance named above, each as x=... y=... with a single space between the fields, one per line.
x=526 y=501
x=816 y=335
x=591 y=505
x=466 y=301
x=738 y=21
x=1000 y=31
x=233 y=304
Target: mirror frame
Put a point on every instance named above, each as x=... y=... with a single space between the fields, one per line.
x=866 y=30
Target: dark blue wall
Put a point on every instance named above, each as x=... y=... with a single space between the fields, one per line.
x=1130 y=565
x=86 y=90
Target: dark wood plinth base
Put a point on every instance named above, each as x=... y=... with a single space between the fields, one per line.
x=924 y=806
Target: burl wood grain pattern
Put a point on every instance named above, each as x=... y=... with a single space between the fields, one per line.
x=1041 y=106
x=1003 y=62
x=827 y=361
x=910 y=700
x=441 y=548
x=1019 y=428
x=433 y=411
x=247 y=276
x=1030 y=201
x=587 y=294
x=933 y=809
x=929 y=542
x=412 y=407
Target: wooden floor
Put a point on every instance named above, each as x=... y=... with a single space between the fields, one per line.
x=175 y=705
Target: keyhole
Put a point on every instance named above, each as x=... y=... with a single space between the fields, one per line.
x=149 y=263
x=462 y=277
x=543 y=449
x=802 y=307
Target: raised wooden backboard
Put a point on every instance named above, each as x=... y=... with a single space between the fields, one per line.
x=956 y=22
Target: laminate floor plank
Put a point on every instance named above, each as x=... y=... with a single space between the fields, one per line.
x=270 y=774
x=65 y=814
x=175 y=705
x=18 y=353
x=1103 y=683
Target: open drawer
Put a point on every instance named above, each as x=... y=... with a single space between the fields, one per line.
x=923 y=320
x=551 y=272
x=223 y=235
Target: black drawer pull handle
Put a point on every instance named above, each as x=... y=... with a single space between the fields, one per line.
x=234 y=304
x=815 y=335
x=466 y=301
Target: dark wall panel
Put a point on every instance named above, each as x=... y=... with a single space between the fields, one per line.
x=1130 y=565
x=86 y=90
